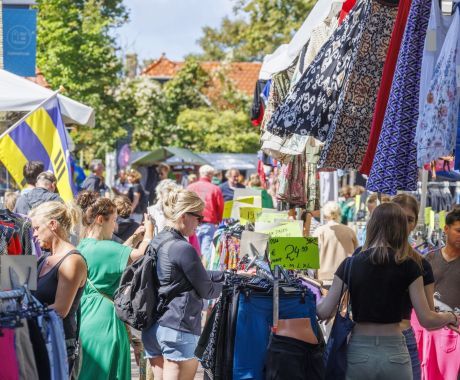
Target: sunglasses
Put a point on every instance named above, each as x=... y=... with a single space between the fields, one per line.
x=198 y=216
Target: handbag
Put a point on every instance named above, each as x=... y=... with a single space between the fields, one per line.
x=335 y=355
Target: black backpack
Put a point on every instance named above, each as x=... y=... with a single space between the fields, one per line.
x=136 y=299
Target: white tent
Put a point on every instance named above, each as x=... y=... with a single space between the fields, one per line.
x=20 y=94
x=283 y=57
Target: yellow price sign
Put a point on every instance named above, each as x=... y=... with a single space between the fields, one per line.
x=249 y=214
x=442 y=219
x=298 y=253
x=427 y=215
x=228 y=206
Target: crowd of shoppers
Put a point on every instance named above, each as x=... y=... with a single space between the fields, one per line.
x=386 y=279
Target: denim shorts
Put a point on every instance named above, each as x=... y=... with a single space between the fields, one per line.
x=171 y=344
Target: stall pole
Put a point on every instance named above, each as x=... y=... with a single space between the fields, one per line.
x=421 y=214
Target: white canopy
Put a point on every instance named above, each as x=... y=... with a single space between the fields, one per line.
x=20 y=94
x=283 y=57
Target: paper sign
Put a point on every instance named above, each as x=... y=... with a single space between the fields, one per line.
x=245 y=193
x=288 y=229
x=431 y=223
x=249 y=214
x=249 y=200
x=264 y=227
x=253 y=244
x=271 y=216
x=294 y=253
x=357 y=202
x=227 y=210
x=427 y=215
x=442 y=219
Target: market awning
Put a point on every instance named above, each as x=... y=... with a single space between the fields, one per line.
x=225 y=161
x=19 y=94
x=177 y=156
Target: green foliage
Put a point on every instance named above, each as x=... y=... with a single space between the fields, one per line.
x=76 y=50
x=259 y=27
x=209 y=130
x=185 y=90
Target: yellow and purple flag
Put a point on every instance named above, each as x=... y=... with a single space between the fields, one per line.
x=40 y=136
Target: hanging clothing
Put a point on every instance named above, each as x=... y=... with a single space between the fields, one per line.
x=438 y=27
x=292 y=182
x=278 y=91
x=25 y=353
x=437 y=126
x=312 y=102
x=9 y=369
x=385 y=85
x=395 y=166
x=103 y=336
x=349 y=132
x=257 y=109
x=346 y=8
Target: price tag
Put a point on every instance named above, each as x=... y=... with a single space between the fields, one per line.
x=249 y=200
x=228 y=206
x=357 y=203
x=427 y=215
x=271 y=217
x=288 y=229
x=431 y=223
x=249 y=214
x=294 y=253
x=442 y=219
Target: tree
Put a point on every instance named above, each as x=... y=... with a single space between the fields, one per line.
x=76 y=50
x=259 y=27
x=210 y=130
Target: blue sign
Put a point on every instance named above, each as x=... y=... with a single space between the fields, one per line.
x=19 y=40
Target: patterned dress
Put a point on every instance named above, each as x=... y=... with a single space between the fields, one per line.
x=350 y=129
x=395 y=163
x=437 y=126
x=312 y=102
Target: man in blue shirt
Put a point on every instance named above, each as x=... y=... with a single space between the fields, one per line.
x=228 y=188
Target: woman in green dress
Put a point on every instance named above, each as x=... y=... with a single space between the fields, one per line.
x=104 y=338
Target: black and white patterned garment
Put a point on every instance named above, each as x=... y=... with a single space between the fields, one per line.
x=311 y=104
x=349 y=133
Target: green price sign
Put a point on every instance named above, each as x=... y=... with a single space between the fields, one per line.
x=299 y=253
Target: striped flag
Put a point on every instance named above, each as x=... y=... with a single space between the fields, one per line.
x=39 y=136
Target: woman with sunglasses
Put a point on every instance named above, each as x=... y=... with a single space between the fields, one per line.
x=184 y=283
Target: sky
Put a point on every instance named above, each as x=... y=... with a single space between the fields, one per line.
x=168 y=26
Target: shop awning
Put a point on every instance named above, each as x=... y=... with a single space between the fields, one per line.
x=19 y=94
x=225 y=161
x=171 y=155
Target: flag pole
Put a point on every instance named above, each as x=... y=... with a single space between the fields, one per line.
x=15 y=125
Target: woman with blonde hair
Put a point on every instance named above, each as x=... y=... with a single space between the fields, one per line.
x=184 y=283
x=377 y=279
x=61 y=272
x=104 y=338
x=336 y=242
x=136 y=195
x=163 y=189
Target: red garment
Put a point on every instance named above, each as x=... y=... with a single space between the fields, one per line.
x=258 y=121
x=385 y=85
x=346 y=8
x=14 y=244
x=212 y=197
x=9 y=369
x=261 y=172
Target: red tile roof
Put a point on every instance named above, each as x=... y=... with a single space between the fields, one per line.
x=39 y=79
x=244 y=75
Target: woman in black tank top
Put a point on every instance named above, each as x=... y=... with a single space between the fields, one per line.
x=62 y=272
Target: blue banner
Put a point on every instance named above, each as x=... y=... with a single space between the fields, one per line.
x=19 y=40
